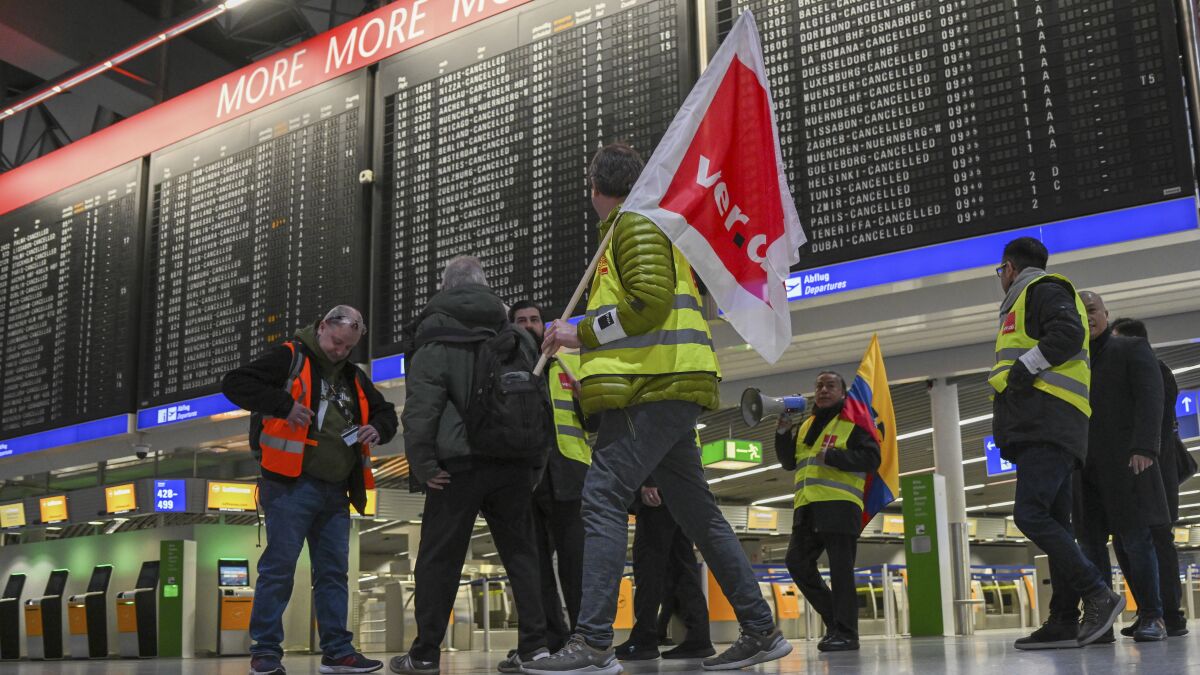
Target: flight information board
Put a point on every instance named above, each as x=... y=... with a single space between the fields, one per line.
x=486 y=138
x=908 y=123
x=256 y=228
x=68 y=294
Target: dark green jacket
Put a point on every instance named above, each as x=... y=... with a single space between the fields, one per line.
x=646 y=268
x=439 y=380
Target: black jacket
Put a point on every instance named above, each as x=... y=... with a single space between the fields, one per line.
x=861 y=455
x=563 y=478
x=1031 y=418
x=258 y=387
x=1168 y=464
x=1127 y=410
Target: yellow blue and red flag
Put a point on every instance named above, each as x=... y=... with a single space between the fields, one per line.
x=869 y=406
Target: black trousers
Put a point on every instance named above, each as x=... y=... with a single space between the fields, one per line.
x=1170 y=589
x=663 y=562
x=501 y=492
x=559 y=530
x=838 y=606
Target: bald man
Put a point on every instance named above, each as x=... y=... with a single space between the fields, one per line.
x=1121 y=491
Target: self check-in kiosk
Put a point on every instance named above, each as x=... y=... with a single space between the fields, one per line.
x=87 y=617
x=10 y=617
x=236 y=599
x=137 y=615
x=44 y=619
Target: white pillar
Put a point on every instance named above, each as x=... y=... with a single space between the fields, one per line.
x=947 y=447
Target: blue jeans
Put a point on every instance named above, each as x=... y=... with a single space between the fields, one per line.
x=633 y=443
x=1043 y=513
x=309 y=510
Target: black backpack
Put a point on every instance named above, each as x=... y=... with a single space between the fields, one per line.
x=507 y=414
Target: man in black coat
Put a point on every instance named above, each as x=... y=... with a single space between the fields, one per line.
x=1043 y=429
x=1170 y=590
x=1122 y=490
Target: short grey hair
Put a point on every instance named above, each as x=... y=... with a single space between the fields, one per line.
x=462 y=270
x=345 y=315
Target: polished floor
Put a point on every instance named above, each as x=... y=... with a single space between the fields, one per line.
x=987 y=652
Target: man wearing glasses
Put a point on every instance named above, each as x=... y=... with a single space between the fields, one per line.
x=315 y=417
x=1042 y=379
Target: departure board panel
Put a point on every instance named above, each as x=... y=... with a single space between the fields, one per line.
x=256 y=228
x=68 y=293
x=908 y=123
x=486 y=139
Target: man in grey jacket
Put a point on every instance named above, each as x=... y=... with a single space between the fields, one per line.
x=460 y=481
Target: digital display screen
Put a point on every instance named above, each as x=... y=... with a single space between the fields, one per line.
x=233 y=573
x=120 y=498
x=170 y=496
x=238 y=497
x=12 y=515
x=53 y=509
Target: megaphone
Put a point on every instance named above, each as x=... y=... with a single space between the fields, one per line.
x=756 y=406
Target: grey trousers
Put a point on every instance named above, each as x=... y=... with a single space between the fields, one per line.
x=656 y=439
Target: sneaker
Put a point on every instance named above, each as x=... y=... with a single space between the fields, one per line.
x=577 y=657
x=407 y=665
x=1100 y=610
x=1106 y=638
x=1153 y=630
x=836 y=642
x=266 y=664
x=1177 y=627
x=690 y=650
x=749 y=650
x=631 y=651
x=354 y=663
x=514 y=662
x=1129 y=630
x=1053 y=634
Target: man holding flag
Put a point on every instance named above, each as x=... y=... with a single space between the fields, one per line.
x=836 y=457
x=713 y=192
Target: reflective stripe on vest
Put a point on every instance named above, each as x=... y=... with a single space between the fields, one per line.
x=681 y=344
x=283 y=445
x=569 y=434
x=1069 y=381
x=817 y=482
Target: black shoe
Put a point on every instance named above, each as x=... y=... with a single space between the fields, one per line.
x=1176 y=628
x=1100 y=610
x=407 y=665
x=631 y=651
x=750 y=649
x=1053 y=634
x=836 y=642
x=515 y=664
x=666 y=642
x=690 y=650
x=1129 y=630
x=1106 y=638
x=266 y=664
x=354 y=663
x=1153 y=630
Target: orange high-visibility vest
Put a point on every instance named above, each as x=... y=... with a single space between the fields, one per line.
x=283 y=445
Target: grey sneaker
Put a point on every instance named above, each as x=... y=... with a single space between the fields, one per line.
x=577 y=657
x=407 y=665
x=750 y=650
x=513 y=663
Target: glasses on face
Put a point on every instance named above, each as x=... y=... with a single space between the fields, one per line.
x=350 y=322
x=1000 y=269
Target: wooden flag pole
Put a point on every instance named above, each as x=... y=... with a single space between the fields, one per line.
x=583 y=284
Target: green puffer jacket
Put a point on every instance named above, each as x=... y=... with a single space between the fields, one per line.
x=646 y=267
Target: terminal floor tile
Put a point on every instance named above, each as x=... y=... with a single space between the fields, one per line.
x=989 y=652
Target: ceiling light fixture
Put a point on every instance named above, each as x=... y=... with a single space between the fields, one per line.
x=770 y=500
x=742 y=474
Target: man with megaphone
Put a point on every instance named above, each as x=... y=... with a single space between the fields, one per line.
x=831 y=456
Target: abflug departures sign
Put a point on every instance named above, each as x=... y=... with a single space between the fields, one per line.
x=68 y=298
x=910 y=123
x=486 y=137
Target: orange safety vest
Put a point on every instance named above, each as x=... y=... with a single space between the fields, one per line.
x=283 y=445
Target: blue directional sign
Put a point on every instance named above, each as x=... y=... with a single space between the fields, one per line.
x=170 y=496
x=996 y=465
x=1186 y=413
x=1100 y=229
x=388 y=368
x=196 y=408
x=76 y=433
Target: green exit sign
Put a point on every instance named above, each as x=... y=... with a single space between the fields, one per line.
x=731 y=453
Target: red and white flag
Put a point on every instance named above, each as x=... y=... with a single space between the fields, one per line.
x=716 y=186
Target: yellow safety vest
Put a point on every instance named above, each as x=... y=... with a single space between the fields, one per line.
x=572 y=439
x=816 y=482
x=682 y=344
x=1071 y=381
